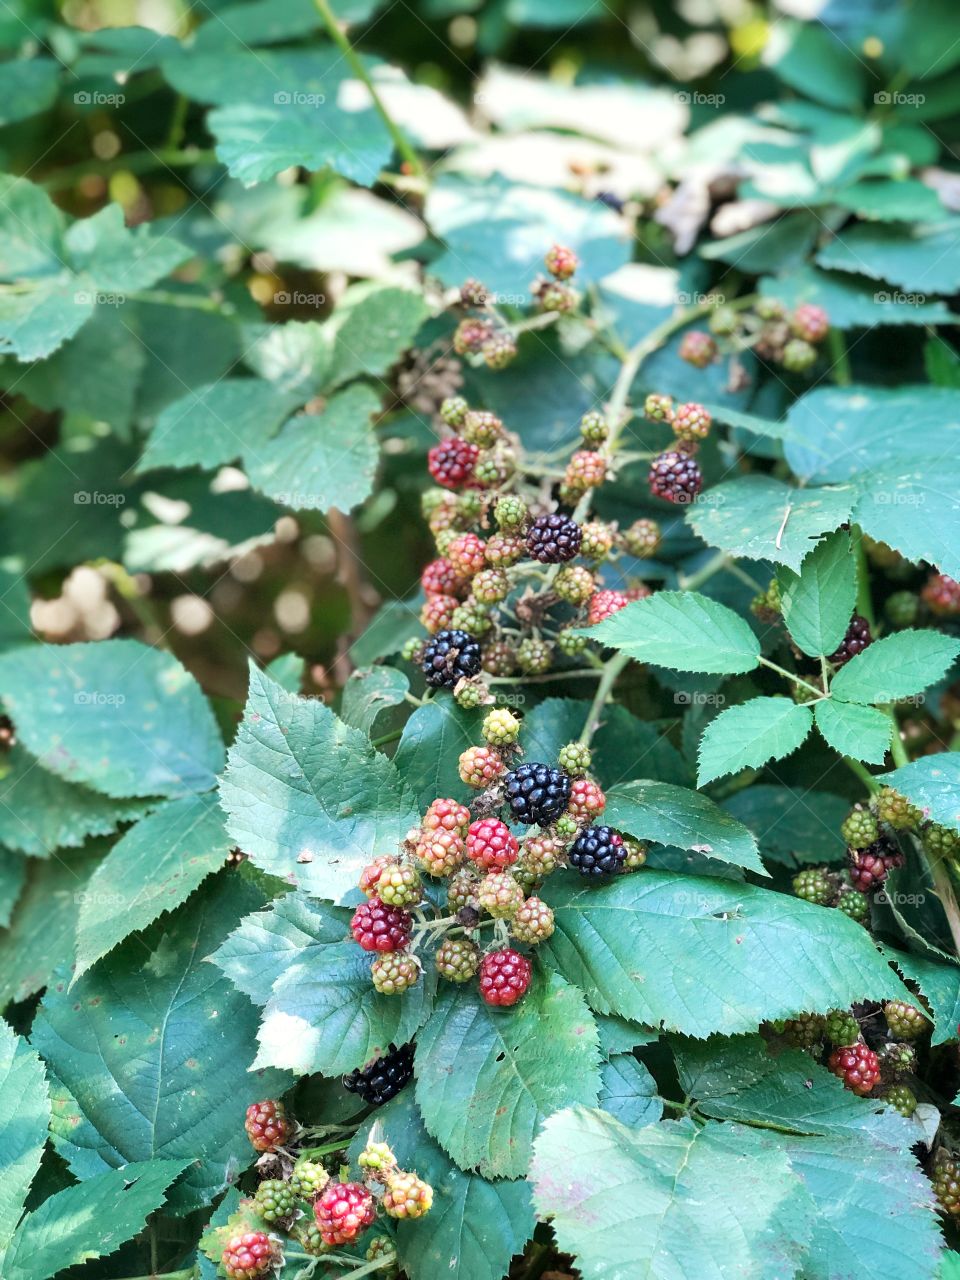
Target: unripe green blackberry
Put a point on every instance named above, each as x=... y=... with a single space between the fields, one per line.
x=481 y=428
x=596 y=540
x=412 y=650
x=462 y=891
x=377 y=1158
x=493 y=467
x=636 y=853
x=510 y=512
x=803 y=1031
x=505 y=549
x=570 y=645
x=445 y=538
x=575 y=757
x=723 y=322
x=566 y=826
x=539 y=857
x=399 y=886
x=453 y=411
x=939 y=842
x=394 y=972
x=815 y=884
x=308 y=1179
x=896 y=1060
x=896 y=810
x=533 y=922
x=500 y=727
x=642 y=539
x=945 y=1178
x=490 y=586
x=554 y=296
x=499 y=350
x=658 y=408
x=901 y=1099
x=470 y=694
x=593 y=427
x=382 y=1248
x=274 y=1200
x=798 y=355
x=499 y=658
x=575 y=584
x=472 y=617
x=308 y=1237
x=500 y=895
x=859 y=828
x=854 y=904
x=902 y=608
x=457 y=959
x=841 y=1027
x=769 y=309
x=767 y=606
x=432 y=500
x=470 y=505
x=534 y=656
x=906 y=1021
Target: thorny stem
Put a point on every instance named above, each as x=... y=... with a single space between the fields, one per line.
x=400 y=140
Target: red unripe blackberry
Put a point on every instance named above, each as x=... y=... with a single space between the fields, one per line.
x=504 y=976
x=248 y=1256
x=437 y=613
x=473 y=293
x=675 y=477
x=941 y=594
x=691 y=422
x=533 y=922
x=697 y=348
x=451 y=462
x=267 y=1125
x=479 y=766
x=492 y=845
x=440 y=578
x=439 y=853
x=561 y=262
x=810 y=322
x=371 y=874
x=604 y=604
x=499 y=658
x=553 y=539
x=482 y=428
x=586 y=799
x=870 y=867
x=467 y=554
x=470 y=335
x=378 y=927
x=504 y=550
x=344 y=1211
x=857 y=1067
x=446 y=815
x=586 y=469
x=855 y=641
x=499 y=895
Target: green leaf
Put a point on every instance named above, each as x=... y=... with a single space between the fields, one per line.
x=668 y=1200
x=306 y=796
x=892 y=200
x=918 y=257
x=116 y=715
x=27 y=88
x=40 y=813
x=793 y=825
x=850 y=301
x=818 y=601
x=853 y=730
x=896 y=666
x=91 y=1220
x=939 y=983
x=13 y=876
x=681 y=630
x=24 y=1116
x=618 y=1036
x=373 y=326
x=749 y=735
x=155 y=1047
x=642 y=945
x=909 y=506
x=321 y=460
x=629 y=1092
x=674 y=815
x=430 y=748
x=933 y=784
x=762 y=518
x=488 y=1077
x=812 y=59
x=152 y=869
x=369 y=691
x=475 y=1227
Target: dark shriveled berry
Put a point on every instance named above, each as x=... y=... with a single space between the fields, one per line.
x=553 y=539
x=450 y=656
x=537 y=793
x=384 y=1077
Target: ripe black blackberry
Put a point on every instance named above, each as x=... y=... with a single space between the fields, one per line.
x=450 y=656
x=675 y=477
x=537 y=793
x=855 y=641
x=598 y=851
x=384 y=1077
x=554 y=538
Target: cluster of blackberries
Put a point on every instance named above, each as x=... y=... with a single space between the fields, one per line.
x=775 y=334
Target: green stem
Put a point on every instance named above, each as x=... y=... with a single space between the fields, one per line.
x=714 y=565
x=611 y=671
x=864 y=599
x=789 y=675
x=135 y=162
x=867 y=778
x=386 y=738
x=588 y=673
x=400 y=140
x=188 y=301
x=327 y=1149
x=837 y=343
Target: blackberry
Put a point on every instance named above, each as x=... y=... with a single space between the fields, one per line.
x=803 y=1031
x=537 y=793
x=859 y=829
x=854 y=904
x=945 y=1177
x=855 y=641
x=451 y=461
x=901 y=1099
x=553 y=539
x=906 y=1021
x=857 y=1066
x=815 y=884
x=896 y=810
x=275 y=1200
x=384 y=1077
x=450 y=656
x=598 y=851
x=896 y=1060
x=841 y=1027
x=901 y=608
x=675 y=477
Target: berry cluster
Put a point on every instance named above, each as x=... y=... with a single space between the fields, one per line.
x=775 y=334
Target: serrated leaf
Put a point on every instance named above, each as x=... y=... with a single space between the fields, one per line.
x=13 y=876
x=476 y=1225
x=369 y=691
x=116 y=715
x=430 y=746
x=933 y=784
x=372 y=327
x=141 y=1041
x=153 y=868
x=90 y=1220
x=918 y=257
x=264 y=945
x=814 y=60
x=762 y=518
x=628 y=1091
x=854 y=730
x=896 y=666
x=27 y=88
x=850 y=301
x=24 y=1116
x=668 y=1200
x=677 y=816
x=642 y=945
x=488 y=1077
x=818 y=601
x=792 y=825
x=911 y=507
x=306 y=796
x=939 y=983
x=749 y=735
x=681 y=630
x=321 y=460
